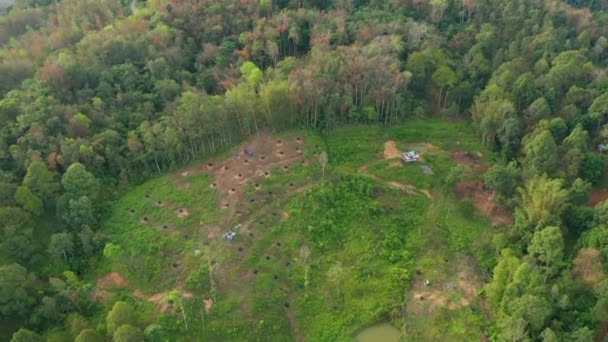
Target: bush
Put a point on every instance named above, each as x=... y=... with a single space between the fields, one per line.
x=89 y=335
x=127 y=333
x=121 y=314
x=198 y=280
x=593 y=168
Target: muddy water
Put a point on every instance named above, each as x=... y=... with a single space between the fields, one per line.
x=383 y=332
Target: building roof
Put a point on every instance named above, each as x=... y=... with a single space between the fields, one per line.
x=410 y=156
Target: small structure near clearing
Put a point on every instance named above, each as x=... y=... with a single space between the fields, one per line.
x=410 y=156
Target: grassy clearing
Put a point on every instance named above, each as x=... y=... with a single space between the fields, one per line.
x=370 y=245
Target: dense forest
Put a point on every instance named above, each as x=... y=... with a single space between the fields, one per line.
x=97 y=95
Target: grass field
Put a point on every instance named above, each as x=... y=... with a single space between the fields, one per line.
x=313 y=259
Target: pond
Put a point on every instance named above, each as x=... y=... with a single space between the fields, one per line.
x=383 y=332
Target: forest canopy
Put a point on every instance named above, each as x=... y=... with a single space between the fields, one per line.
x=98 y=95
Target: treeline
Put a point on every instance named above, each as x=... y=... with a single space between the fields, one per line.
x=109 y=92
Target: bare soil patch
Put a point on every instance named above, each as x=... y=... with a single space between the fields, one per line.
x=483 y=200
x=439 y=298
x=113 y=279
x=471 y=161
x=455 y=292
x=182 y=212
x=166 y=306
x=294 y=325
x=597 y=197
x=185 y=186
x=588 y=266
x=468 y=283
x=100 y=295
x=231 y=177
x=213 y=231
x=390 y=150
x=208 y=304
x=408 y=188
x=426 y=193
x=138 y=293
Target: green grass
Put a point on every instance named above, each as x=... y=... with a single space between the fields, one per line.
x=384 y=239
x=149 y=250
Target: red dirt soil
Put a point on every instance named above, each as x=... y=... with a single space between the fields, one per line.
x=113 y=279
x=602 y=333
x=231 y=176
x=390 y=150
x=483 y=200
x=597 y=197
x=473 y=162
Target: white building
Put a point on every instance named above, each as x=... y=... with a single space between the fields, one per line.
x=410 y=157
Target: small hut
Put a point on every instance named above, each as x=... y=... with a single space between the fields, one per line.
x=410 y=156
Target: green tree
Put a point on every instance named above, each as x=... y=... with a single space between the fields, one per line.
x=445 y=78
x=87 y=240
x=509 y=135
x=78 y=182
x=29 y=201
x=600 y=310
x=61 y=246
x=579 y=191
x=80 y=125
x=127 y=333
x=542 y=201
x=7 y=192
x=502 y=273
x=323 y=161
x=558 y=128
x=489 y=111
x=75 y=324
x=547 y=246
x=335 y=275
x=177 y=299
x=540 y=154
x=24 y=335
x=50 y=310
x=80 y=213
x=592 y=168
x=252 y=73
x=274 y=103
x=16 y=297
x=573 y=150
x=524 y=90
x=600 y=214
x=535 y=310
x=599 y=109
x=42 y=182
x=539 y=109
x=513 y=328
x=121 y=314
x=549 y=335
x=582 y=334
x=89 y=335
x=502 y=178
x=16 y=233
